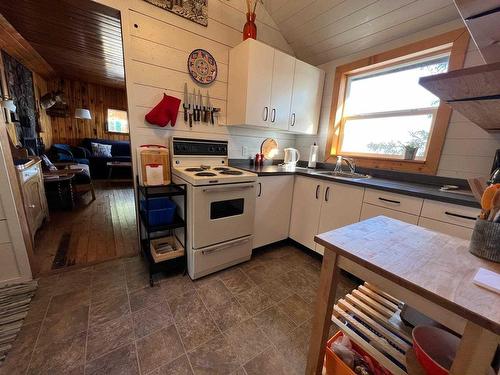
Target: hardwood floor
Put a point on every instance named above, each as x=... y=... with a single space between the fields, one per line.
x=93 y=232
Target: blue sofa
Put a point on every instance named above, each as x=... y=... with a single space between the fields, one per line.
x=60 y=152
x=120 y=151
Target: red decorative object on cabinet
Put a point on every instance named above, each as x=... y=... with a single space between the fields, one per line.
x=250 y=28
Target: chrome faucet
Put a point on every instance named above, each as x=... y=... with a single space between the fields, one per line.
x=349 y=161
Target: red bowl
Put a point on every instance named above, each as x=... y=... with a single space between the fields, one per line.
x=435 y=349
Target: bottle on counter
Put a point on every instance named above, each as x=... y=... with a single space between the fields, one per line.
x=258 y=160
x=313 y=156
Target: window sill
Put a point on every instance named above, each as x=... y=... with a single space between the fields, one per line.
x=108 y=132
x=392 y=164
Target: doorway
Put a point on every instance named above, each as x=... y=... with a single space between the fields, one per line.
x=69 y=131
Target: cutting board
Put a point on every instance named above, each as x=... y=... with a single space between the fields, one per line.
x=154 y=165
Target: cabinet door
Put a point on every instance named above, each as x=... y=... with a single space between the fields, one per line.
x=370 y=210
x=446 y=228
x=306 y=205
x=306 y=98
x=281 y=92
x=260 y=76
x=341 y=206
x=33 y=203
x=272 y=209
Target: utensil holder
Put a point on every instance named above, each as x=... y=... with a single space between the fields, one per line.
x=485 y=241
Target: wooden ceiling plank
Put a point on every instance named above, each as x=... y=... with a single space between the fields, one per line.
x=15 y=45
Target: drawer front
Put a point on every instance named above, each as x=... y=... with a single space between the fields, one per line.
x=450 y=213
x=446 y=228
x=370 y=210
x=4 y=232
x=393 y=201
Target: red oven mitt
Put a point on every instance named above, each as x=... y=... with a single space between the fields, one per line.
x=164 y=112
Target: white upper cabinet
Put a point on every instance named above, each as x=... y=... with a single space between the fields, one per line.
x=281 y=92
x=306 y=98
x=268 y=88
x=250 y=84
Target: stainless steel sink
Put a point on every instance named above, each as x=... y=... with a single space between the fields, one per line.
x=347 y=175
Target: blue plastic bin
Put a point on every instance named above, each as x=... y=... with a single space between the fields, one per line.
x=160 y=211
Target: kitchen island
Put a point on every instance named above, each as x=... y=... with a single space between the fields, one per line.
x=430 y=271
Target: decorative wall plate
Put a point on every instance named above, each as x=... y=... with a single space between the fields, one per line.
x=202 y=66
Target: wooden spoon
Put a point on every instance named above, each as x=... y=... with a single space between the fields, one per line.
x=495 y=205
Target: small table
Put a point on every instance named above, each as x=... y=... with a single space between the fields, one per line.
x=431 y=271
x=117 y=164
x=64 y=193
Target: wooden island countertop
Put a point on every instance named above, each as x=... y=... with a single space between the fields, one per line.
x=430 y=271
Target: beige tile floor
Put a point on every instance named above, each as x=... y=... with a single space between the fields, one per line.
x=254 y=318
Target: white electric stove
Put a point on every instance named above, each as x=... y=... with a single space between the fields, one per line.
x=221 y=205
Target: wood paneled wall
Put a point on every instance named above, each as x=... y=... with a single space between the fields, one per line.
x=94 y=97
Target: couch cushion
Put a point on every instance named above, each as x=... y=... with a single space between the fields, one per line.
x=118 y=148
x=101 y=150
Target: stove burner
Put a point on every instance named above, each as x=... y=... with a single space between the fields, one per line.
x=207 y=174
x=233 y=173
x=220 y=169
x=194 y=169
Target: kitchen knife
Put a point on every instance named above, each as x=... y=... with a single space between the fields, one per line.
x=209 y=110
x=185 y=104
x=195 y=106
x=191 y=111
x=202 y=107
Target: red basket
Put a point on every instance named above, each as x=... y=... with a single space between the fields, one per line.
x=335 y=366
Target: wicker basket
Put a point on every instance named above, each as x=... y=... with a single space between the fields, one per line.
x=485 y=241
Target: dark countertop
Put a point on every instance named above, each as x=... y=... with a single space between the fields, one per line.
x=414 y=189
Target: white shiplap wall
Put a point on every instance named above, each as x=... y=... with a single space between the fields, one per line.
x=468 y=150
x=156 y=46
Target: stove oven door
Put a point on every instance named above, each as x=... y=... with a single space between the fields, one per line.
x=222 y=213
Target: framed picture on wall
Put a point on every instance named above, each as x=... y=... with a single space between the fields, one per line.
x=117 y=121
x=193 y=10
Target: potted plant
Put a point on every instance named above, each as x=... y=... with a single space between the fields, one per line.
x=418 y=140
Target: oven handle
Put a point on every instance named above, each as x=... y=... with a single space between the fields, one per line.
x=225 y=246
x=227 y=188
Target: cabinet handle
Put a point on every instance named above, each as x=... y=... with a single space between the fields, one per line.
x=260 y=190
x=460 y=216
x=266 y=113
x=273 y=115
x=293 y=119
x=31 y=206
x=327 y=193
x=389 y=200
x=317 y=191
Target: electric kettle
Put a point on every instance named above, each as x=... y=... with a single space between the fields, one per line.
x=292 y=156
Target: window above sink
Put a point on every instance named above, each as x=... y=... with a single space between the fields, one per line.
x=380 y=114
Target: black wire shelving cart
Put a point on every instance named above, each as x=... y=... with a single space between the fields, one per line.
x=151 y=234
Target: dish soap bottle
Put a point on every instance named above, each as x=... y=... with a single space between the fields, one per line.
x=313 y=156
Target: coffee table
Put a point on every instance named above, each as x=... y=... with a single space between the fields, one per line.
x=117 y=164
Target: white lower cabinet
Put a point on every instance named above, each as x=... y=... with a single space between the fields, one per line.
x=320 y=206
x=341 y=206
x=272 y=209
x=306 y=208
x=448 y=218
x=370 y=210
x=446 y=228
